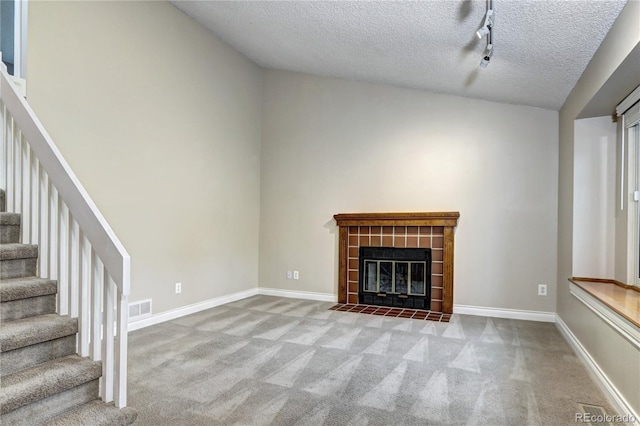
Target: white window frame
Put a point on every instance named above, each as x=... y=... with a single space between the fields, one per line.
x=629 y=110
x=633 y=138
x=20 y=40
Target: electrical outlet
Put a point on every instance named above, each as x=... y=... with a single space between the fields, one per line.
x=542 y=289
x=296 y=275
x=289 y=275
x=178 y=288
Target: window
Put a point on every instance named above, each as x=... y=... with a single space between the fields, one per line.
x=13 y=36
x=630 y=182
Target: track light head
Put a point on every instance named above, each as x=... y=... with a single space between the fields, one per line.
x=485 y=62
x=482 y=32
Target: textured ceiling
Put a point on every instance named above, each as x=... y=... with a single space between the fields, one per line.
x=541 y=47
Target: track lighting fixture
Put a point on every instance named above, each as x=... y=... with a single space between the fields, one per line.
x=488 y=23
x=487 y=31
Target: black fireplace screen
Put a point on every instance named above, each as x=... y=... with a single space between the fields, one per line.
x=399 y=277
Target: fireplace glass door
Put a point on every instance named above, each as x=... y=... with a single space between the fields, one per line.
x=395 y=277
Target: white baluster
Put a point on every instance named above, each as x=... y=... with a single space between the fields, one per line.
x=96 y=304
x=63 y=259
x=43 y=257
x=84 y=322
x=121 y=350
x=54 y=208
x=10 y=173
x=34 y=203
x=107 y=341
x=74 y=267
x=25 y=160
x=17 y=170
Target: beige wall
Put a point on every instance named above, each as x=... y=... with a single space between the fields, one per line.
x=161 y=123
x=336 y=146
x=594 y=198
x=603 y=344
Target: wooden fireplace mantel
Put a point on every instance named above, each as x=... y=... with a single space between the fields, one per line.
x=398 y=219
x=447 y=220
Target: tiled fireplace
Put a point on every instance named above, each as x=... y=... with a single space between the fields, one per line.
x=434 y=231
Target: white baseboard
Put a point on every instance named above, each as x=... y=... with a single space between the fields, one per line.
x=295 y=294
x=325 y=297
x=505 y=313
x=191 y=309
x=212 y=303
x=616 y=398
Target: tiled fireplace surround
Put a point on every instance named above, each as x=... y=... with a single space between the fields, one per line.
x=434 y=230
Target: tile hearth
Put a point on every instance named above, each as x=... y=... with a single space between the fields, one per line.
x=416 y=314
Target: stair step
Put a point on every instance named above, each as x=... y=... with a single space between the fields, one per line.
x=18 y=260
x=31 y=341
x=26 y=297
x=10 y=227
x=45 y=380
x=45 y=409
x=18 y=251
x=3 y=201
x=29 y=356
x=30 y=331
x=26 y=287
x=95 y=413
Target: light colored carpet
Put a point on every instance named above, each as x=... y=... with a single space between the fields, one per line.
x=274 y=361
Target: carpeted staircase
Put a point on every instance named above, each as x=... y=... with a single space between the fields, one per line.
x=42 y=380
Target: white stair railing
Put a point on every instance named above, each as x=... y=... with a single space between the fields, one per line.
x=77 y=246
